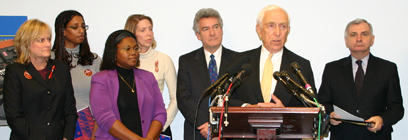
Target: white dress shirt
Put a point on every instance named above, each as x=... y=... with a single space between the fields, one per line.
x=217 y=57
x=363 y=64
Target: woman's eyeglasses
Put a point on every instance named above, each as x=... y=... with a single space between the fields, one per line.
x=129 y=50
x=84 y=27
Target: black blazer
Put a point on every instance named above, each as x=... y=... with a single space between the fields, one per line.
x=380 y=96
x=250 y=90
x=39 y=109
x=193 y=78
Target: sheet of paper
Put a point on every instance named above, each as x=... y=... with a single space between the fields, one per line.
x=345 y=115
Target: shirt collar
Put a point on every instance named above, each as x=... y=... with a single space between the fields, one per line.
x=265 y=53
x=364 y=63
x=217 y=54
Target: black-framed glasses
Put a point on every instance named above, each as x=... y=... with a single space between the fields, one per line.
x=129 y=50
x=84 y=27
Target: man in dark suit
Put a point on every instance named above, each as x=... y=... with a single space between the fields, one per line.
x=260 y=89
x=194 y=71
x=363 y=85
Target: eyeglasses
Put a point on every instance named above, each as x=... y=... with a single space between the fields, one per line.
x=129 y=50
x=84 y=27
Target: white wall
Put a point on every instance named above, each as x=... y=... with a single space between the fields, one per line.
x=317 y=29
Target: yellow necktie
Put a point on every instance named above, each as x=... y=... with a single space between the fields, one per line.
x=267 y=79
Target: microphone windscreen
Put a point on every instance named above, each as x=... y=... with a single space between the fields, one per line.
x=284 y=74
x=276 y=75
x=294 y=66
x=247 y=68
x=237 y=65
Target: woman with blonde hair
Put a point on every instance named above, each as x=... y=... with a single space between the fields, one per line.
x=154 y=61
x=38 y=96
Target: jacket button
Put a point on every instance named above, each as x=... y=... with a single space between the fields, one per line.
x=48 y=108
x=142 y=121
x=48 y=123
x=48 y=92
x=358 y=111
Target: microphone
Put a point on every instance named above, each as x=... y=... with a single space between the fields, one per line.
x=295 y=67
x=286 y=76
x=210 y=90
x=235 y=83
x=231 y=70
x=237 y=80
x=244 y=71
x=289 y=88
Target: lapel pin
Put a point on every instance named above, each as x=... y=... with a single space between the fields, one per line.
x=27 y=75
x=88 y=72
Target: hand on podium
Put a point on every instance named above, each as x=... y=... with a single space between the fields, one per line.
x=278 y=103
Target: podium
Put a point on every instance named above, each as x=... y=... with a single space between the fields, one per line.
x=266 y=123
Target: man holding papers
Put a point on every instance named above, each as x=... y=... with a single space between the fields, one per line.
x=363 y=85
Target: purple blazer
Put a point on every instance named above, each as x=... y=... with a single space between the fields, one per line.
x=104 y=94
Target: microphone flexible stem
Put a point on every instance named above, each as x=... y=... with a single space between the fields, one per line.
x=308 y=100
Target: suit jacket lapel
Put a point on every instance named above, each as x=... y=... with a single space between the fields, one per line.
x=140 y=88
x=114 y=90
x=36 y=75
x=225 y=61
x=370 y=74
x=347 y=70
x=280 y=89
x=255 y=84
x=201 y=67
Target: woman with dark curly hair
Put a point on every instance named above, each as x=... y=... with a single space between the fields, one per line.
x=71 y=47
x=126 y=101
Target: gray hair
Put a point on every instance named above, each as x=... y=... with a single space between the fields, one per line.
x=358 y=21
x=266 y=9
x=205 y=13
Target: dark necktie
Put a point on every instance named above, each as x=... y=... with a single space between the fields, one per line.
x=212 y=69
x=359 y=77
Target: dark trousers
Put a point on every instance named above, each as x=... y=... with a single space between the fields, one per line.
x=168 y=133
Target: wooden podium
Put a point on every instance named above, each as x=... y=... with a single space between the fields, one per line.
x=268 y=123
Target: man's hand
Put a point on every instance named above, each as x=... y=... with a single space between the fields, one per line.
x=377 y=123
x=203 y=129
x=278 y=103
x=332 y=121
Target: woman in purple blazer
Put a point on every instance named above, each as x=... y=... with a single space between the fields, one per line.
x=125 y=101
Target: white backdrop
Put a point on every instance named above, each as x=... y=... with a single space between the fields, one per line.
x=317 y=28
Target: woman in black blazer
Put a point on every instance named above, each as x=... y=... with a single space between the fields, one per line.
x=38 y=96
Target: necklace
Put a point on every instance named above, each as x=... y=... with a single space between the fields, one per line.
x=133 y=86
